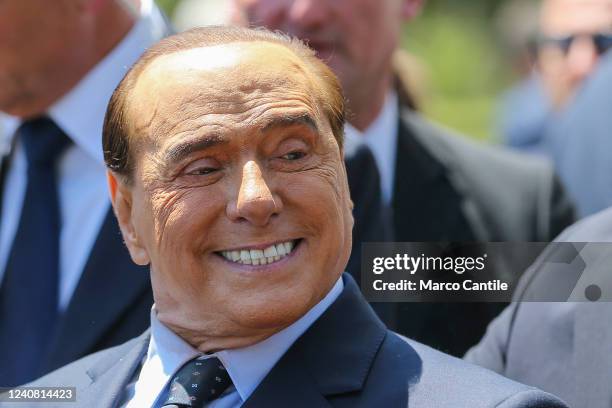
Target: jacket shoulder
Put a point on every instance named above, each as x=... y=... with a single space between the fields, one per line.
x=76 y=373
x=460 y=151
x=491 y=178
x=594 y=228
x=439 y=380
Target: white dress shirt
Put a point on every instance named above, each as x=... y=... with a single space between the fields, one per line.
x=246 y=366
x=381 y=138
x=83 y=193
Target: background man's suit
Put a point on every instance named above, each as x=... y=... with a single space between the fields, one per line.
x=579 y=142
x=347 y=358
x=449 y=188
x=563 y=348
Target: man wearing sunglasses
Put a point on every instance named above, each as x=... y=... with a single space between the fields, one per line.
x=571 y=37
x=574 y=34
x=574 y=37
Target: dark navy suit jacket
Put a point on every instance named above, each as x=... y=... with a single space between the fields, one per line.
x=347 y=358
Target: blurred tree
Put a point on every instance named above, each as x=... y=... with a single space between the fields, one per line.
x=168 y=6
x=466 y=69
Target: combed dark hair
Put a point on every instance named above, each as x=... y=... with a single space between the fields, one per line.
x=115 y=137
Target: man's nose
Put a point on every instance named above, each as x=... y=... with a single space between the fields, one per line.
x=582 y=58
x=255 y=202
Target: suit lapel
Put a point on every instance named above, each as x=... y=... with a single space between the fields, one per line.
x=426 y=207
x=110 y=377
x=333 y=357
x=287 y=385
x=5 y=159
x=91 y=312
x=3 y=169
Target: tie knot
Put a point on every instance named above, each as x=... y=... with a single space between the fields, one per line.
x=199 y=381
x=43 y=141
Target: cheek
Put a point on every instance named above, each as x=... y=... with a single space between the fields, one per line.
x=181 y=221
x=320 y=199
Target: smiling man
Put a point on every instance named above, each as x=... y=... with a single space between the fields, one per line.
x=224 y=148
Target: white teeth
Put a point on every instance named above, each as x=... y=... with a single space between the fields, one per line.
x=270 y=251
x=256 y=254
x=245 y=257
x=270 y=254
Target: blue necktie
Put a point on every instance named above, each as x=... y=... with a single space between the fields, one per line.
x=29 y=288
x=198 y=382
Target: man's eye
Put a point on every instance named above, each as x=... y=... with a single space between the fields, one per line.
x=202 y=171
x=293 y=155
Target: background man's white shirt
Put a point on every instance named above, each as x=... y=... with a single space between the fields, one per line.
x=381 y=138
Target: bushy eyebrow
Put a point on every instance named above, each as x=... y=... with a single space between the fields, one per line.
x=290 y=120
x=182 y=150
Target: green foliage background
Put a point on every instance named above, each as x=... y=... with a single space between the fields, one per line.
x=466 y=67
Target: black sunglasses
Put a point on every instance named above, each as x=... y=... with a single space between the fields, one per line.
x=602 y=41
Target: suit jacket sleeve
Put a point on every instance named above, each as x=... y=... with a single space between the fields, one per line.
x=491 y=351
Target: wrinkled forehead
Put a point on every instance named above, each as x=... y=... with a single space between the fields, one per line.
x=560 y=17
x=239 y=81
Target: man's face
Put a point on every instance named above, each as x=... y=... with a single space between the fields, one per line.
x=239 y=197
x=356 y=38
x=563 y=68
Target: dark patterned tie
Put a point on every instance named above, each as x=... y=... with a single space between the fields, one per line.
x=29 y=289
x=199 y=381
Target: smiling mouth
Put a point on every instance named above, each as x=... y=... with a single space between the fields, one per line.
x=271 y=254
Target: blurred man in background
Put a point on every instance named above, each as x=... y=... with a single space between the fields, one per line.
x=67 y=284
x=579 y=137
x=573 y=37
x=440 y=186
x=574 y=34
x=570 y=38
x=581 y=143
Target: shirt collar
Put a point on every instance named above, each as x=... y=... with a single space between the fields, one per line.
x=385 y=121
x=8 y=126
x=80 y=112
x=381 y=138
x=247 y=366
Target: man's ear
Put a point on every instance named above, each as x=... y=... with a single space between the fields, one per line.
x=121 y=198
x=411 y=8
